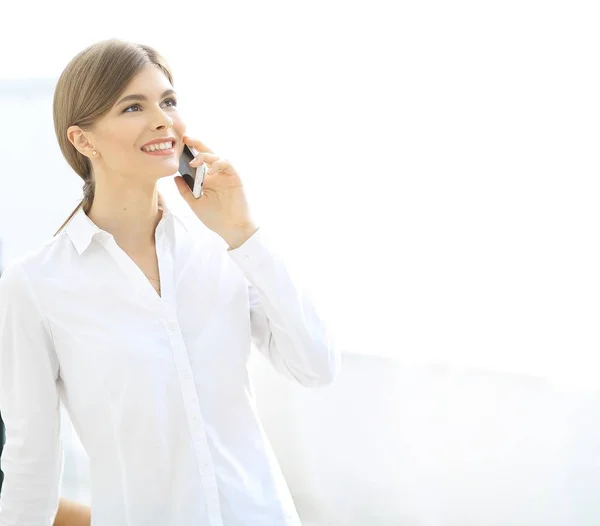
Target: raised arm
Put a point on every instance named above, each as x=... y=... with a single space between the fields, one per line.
x=286 y=325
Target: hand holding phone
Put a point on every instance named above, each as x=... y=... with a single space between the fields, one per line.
x=224 y=209
x=193 y=176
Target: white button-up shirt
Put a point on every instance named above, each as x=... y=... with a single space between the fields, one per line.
x=157 y=387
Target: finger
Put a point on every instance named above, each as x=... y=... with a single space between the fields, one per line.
x=221 y=166
x=208 y=158
x=198 y=144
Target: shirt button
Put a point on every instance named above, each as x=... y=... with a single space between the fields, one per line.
x=246 y=258
x=171 y=326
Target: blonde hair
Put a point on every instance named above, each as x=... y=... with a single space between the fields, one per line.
x=88 y=88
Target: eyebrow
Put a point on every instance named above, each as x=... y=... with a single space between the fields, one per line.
x=143 y=97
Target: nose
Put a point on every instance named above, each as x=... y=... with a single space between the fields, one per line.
x=162 y=120
x=167 y=124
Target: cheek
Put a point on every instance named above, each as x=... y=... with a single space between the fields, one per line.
x=179 y=125
x=180 y=130
x=123 y=139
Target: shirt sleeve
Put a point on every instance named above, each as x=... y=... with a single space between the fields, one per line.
x=286 y=326
x=2 y=439
x=32 y=459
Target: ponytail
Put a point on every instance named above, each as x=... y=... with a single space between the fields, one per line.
x=69 y=218
x=86 y=202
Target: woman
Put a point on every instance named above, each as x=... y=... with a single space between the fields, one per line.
x=139 y=318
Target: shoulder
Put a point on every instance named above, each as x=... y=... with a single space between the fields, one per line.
x=23 y=272
x=27 y=285
x=14 y=287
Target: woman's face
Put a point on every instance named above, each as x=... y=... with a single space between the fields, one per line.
x=120 y=134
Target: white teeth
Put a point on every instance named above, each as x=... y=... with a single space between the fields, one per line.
x=161 y=146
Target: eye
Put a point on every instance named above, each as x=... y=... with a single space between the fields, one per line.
x=126 y=110
x=171 y=100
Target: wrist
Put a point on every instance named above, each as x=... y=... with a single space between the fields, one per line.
x=237 y=236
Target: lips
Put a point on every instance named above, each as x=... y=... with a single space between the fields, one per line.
x=160 y=140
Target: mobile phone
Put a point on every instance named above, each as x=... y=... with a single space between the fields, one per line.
x=193 y=176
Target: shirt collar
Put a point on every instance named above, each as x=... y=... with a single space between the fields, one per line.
x=81 y=229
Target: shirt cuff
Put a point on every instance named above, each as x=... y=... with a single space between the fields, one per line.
x=254 y=252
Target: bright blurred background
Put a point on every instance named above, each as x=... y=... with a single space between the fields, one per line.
x=430 y=167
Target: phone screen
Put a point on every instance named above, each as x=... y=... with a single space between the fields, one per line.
x=193 y=176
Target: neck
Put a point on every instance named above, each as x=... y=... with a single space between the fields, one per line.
x=129 y=213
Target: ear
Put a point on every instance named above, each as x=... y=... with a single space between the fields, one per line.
x=78 y=138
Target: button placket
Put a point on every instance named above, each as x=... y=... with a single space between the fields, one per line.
x=195 y=423
x=189 y=394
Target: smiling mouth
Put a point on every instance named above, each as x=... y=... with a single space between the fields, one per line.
x=162 y=147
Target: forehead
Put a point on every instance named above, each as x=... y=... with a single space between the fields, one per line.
x=149 y=81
